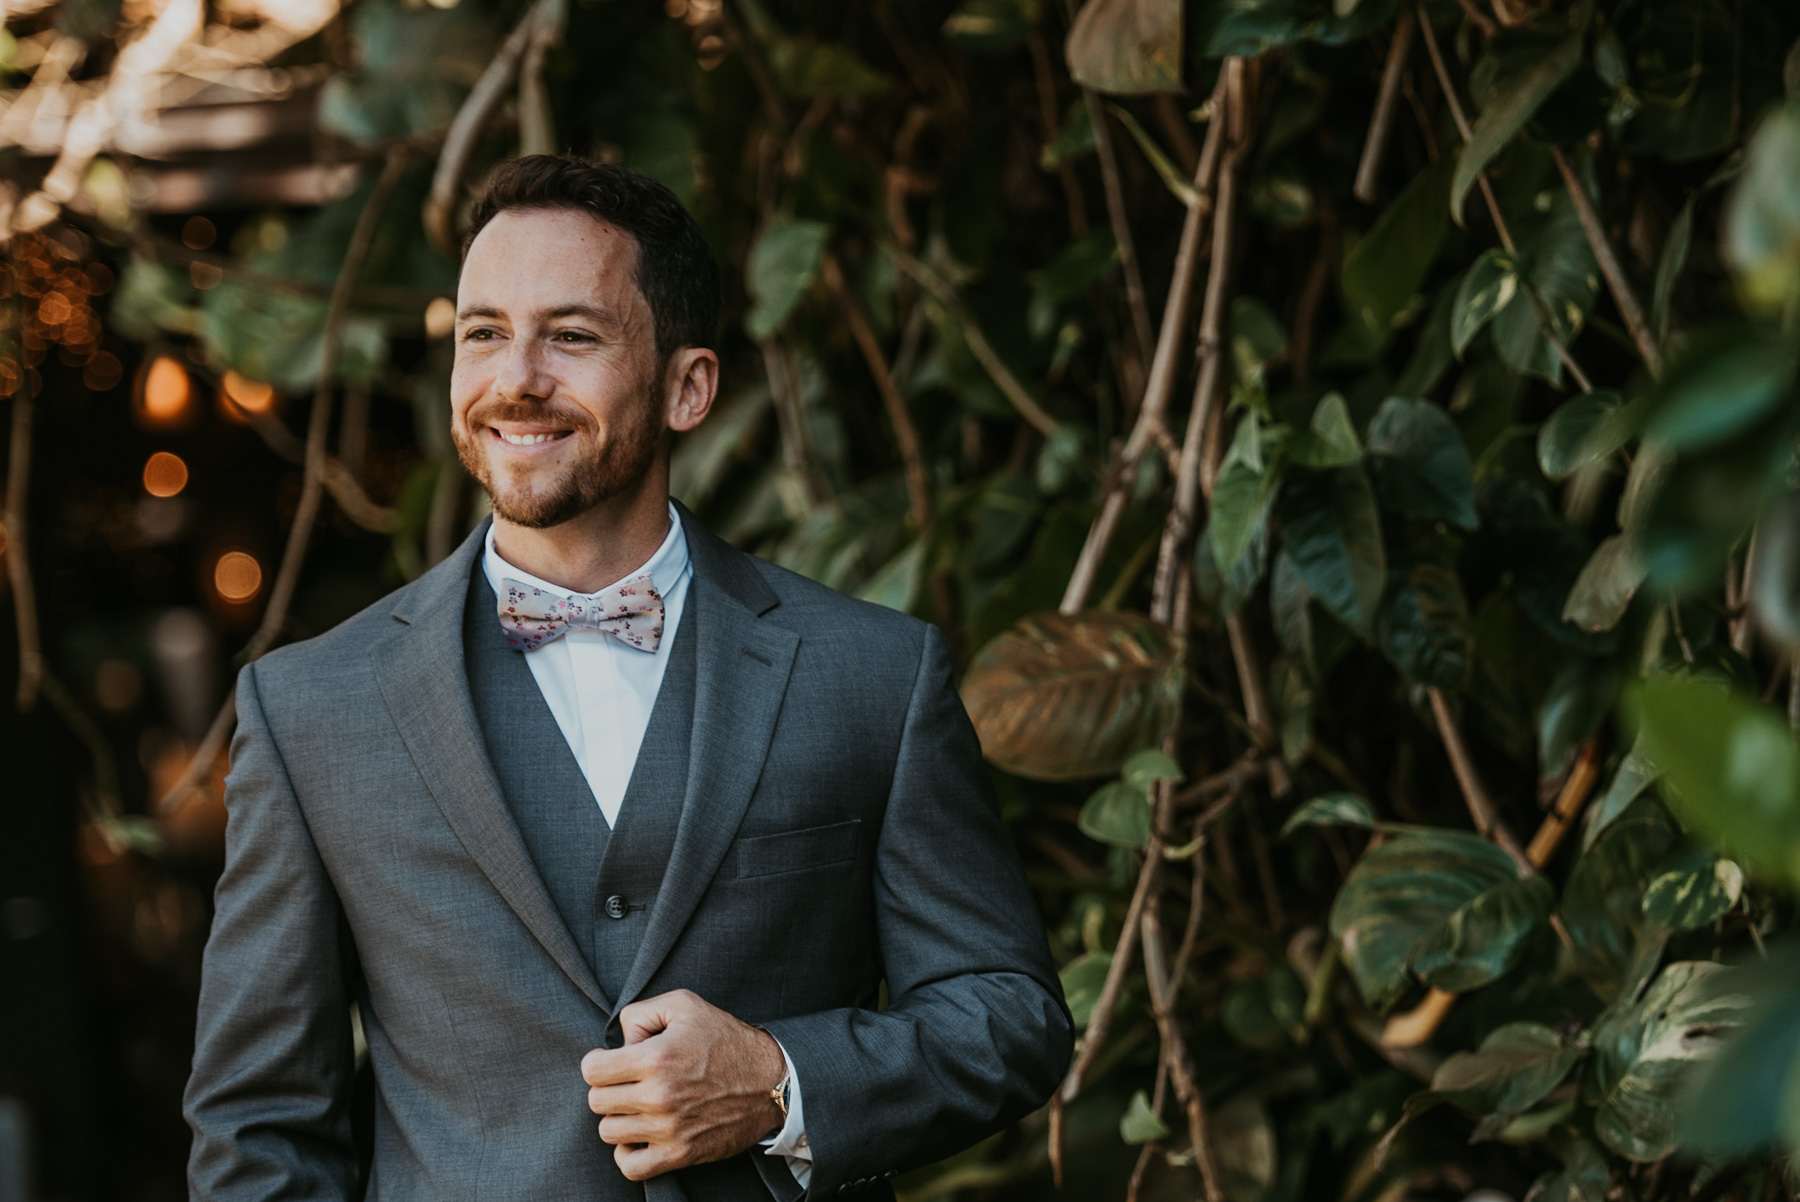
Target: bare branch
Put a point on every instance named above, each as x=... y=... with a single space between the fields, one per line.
x=1481 y=807
x=1381 y=124
x=906 y=434
x=537 y=124
x=18 y=545
x=1121 y=225
x=1623 y=296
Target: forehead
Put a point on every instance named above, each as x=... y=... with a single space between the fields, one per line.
x=542 y=258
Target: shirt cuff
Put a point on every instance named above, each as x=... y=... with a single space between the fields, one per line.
x=790 y=1142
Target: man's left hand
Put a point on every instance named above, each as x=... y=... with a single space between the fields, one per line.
x=691 y=1085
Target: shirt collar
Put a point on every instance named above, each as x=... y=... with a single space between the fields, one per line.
x=666 y=567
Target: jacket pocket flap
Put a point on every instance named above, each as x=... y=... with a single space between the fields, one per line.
x=793 y=851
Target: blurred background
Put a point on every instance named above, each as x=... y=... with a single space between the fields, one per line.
x=1313 y=422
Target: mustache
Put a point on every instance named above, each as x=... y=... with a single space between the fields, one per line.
x=501 y=410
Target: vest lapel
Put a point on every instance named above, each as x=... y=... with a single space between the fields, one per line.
x=741 y=674
x=425 y=683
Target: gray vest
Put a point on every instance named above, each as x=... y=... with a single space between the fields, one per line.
x=604 y=882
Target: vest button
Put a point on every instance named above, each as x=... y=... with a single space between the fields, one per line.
x=615 y=906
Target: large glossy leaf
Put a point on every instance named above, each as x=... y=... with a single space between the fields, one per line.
x=1731 y=768
x=1126 y=47
x=1608 y=581
x=1330 y=809
x=1082 y=979
x=1603 y=905
x=1644 y=1051
x=1329 y=440
x=1060 y=698
x=1383 y=271
x=1119 y=812
x=1241 y=501
x=1629 y=781
x=1432 y=891
x=1511 y=101
x=1332 y=534
x=1691 y=887
x=1748 y=1096
x=1421 y=464
x=1560 y=272
x=807 y=68
x=1244 y=1147
x=1515 y=1066
x=1574 y=706
x=781 y=267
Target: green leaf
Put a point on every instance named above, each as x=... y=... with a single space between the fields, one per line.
x=1256 y=338
x=1118 y=814
x=1668 y=267
x=991 y=26
x=1126 y=47
x=1077 y=268
x=1242 y=498
x=1430 y=891
x=1762 y=215
x=1584 y=1177
x=1065 y=697
x=1690 y=888
x=703 y=456
x=1744 y=1100
x=1247 y=28
x=1603 y=905
x=896 y=583
x=1082 y=979
x=1608 y=582
x=1332 y=534
x=1288 y=600
x=1423 y=624
x=1487 y=287
x=1775 y=585
x=1148 y=766
x=1074 y=138
x=1585 y=429
x=781 y=267
x=806 y=68
x=1383 y=271
x=1731 y=768
x=1511 y=102
x=1645 y=1050
x=1139 y=1124
x=1331 y=440
x=1244 y=1146
x=1421 y=465
x=1560 y=271
x=1633 y=776
x=1513 y=1069
x=1726 y=380
x=1574 y=706
x=1330 y=809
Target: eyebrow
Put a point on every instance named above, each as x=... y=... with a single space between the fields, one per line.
x=594 y=313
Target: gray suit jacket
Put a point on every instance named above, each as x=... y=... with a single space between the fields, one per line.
x=371 y=858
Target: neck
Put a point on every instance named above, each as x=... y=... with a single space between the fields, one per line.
x=589 y=552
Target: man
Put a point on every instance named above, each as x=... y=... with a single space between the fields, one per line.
x=601 y=816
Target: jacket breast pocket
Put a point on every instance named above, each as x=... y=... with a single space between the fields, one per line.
x=794 y=851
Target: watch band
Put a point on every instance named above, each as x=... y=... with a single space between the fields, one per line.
x=779 y=1094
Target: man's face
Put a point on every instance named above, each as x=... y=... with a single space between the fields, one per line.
x=556 y=398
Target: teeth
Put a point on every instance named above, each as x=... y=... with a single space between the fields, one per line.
x=527 y=440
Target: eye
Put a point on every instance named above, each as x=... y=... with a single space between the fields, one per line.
x=480 y=334
x=575 y=337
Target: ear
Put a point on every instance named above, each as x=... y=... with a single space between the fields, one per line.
x=689 y=386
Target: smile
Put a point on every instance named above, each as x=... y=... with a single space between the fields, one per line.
x=530 y=440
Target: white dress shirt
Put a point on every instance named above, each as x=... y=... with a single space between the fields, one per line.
x=601 y=692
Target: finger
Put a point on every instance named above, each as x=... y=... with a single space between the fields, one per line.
x=640 y=1163
x=613 y=1066
x=631 y=1129
x=652 y=1015
x=634 y=1098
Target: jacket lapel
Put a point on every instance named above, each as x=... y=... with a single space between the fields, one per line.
x=741 y=672
x=425 y=684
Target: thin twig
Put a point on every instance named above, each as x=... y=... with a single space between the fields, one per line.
x=312 y=484
x=340 y=481
x=790 y=417
x=979 y=346
x=1121 y=224
x=1161 y=383
x=1623 y=296
x=1545 y=323
x=537 y=123
x=1368 y=171
x=18 y=544
x=1481 y=807
x=1094 y=1038
x=906 y=433
x=1048 y=123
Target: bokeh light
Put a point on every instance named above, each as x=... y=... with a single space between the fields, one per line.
x=117 y=685
x=167 y=392
x=204 y=275
x=165 y=474
x=237 y=576
x=103 y=372
x=198 y=233
x=440 y=317
x=246 y=396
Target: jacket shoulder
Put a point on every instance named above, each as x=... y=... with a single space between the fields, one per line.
x=343 y=646
x=814 y=608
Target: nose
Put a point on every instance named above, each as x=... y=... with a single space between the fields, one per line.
x=521 y=375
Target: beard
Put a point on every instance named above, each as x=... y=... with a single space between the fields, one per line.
x=609 y=471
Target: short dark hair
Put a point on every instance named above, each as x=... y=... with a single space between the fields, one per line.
x=675 y=268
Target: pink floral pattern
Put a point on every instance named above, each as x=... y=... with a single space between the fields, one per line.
x=631 y=611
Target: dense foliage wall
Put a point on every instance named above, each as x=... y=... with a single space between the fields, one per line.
x=1351 y=446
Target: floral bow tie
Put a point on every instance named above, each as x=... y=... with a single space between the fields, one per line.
x=631 y=611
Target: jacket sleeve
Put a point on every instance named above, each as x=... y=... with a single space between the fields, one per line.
x=976 y=1032
x=269 y=1096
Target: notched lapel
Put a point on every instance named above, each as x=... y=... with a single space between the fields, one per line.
x=426 y=687
x=741 y=676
